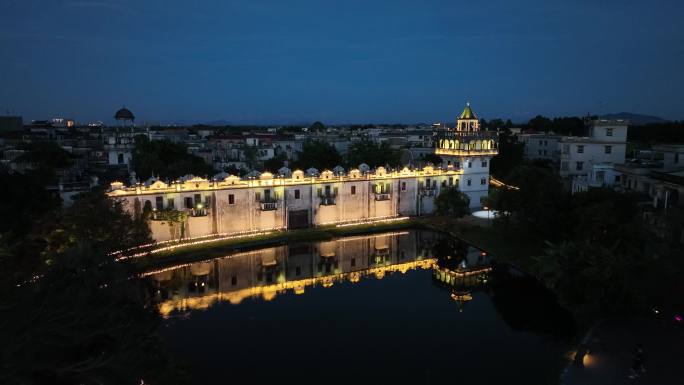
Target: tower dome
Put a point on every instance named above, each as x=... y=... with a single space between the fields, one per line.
x=124 y=114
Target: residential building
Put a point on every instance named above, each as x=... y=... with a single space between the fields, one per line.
x=541 y=146
x=606 y=143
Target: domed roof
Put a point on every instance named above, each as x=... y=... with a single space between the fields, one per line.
x=124 y=114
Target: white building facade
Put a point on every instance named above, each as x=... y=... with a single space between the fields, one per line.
x=606 y=144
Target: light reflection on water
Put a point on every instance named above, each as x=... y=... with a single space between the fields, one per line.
x=404 y=307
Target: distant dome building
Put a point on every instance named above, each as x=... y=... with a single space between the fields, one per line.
x=124 y=115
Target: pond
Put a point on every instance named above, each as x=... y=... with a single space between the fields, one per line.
x=409 y=307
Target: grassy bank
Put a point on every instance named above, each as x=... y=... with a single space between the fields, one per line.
x=506 y=245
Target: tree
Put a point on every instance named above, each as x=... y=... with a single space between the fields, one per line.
x=319 y=155
x=540 y=123
x=432 y=158
x=374 y=155
x=539 y=205
x=317 y=127
x=453 y=202
x=166 y=159
x=84 y=321
x=600 y=278
x=275 y=163
x=510 y=155
x=101 y=222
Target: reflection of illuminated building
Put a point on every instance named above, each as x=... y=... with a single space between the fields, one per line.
x=277 y=270
x=471 y=273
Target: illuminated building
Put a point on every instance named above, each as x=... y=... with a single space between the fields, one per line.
x=290 y=200
x=469 y=149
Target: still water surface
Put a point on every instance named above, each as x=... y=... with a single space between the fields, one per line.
x=403 y=308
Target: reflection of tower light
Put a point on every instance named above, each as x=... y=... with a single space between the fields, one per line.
x=354 y=277
x=461 y=297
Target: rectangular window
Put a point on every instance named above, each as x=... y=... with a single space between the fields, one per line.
x=564 y=166
x=298 y=271
x=159 y=202
x=403 y=186
x=353 y=190
x=539 y=151
x=257 y=196
x=327 y=190
x=231 y=199
x=468 y=182
x=484 y=163
x=470 y=164
x=540 y=142
x=483 y=181
x=580 y=149
x=579 y=166
x=451 y=181
x=609 y=132
x=456 y=183
x=188 y=202
x=297 y=196
x=676 y=157
x=566 y=149
x=170 y=204
x=608 y=149
x=233 y=280
x=198 y=199
x=353 y=262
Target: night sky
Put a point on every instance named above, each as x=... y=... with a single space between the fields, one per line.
x=339 y=62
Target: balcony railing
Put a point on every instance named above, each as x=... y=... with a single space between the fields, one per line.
x=198 y=212
x=382 y=196
x=328 y=200
x=268 y=205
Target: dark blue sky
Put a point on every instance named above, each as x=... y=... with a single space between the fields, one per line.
x=346 y=61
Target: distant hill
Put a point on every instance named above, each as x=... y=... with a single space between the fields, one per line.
x=635 y=119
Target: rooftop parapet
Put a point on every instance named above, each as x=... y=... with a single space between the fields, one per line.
x=267 y=179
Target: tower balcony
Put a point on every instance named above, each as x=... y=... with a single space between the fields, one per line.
x=268 y=204
x=328 y=200
x=382 y=196
x=469 y=143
